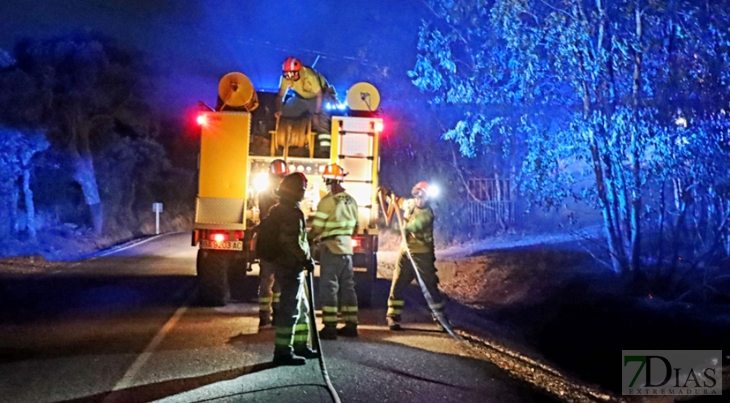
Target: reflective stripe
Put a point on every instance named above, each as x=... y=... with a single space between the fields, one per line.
x=395 y=302
x=339 y=231
x=276 y=297
x=329 y=309
x=300 y=339
x=338 y=224
x=283 y=331
x=325 y=143
x=282 y=341
x=283 y=336
x=321 y=215
x=324 y=136
x=349 y=308
x=394 y=311
x=299 y=327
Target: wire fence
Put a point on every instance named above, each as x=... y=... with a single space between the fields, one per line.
x=491 y=201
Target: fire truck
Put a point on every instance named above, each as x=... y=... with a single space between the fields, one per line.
x=239 y=138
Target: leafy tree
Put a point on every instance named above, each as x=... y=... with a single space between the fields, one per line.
x=631 y=94
x=78 y=87
x=15 y=177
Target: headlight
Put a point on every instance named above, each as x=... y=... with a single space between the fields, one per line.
x=261 y=181
x=433 y=191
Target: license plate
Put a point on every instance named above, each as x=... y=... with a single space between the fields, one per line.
x=225 y=245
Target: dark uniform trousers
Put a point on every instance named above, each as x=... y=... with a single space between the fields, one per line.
x=404 y=274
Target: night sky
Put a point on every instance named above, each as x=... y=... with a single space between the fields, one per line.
x=194 y=43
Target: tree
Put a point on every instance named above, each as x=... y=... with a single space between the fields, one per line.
x=15 y=176
x=620 y=91
x=83 y=84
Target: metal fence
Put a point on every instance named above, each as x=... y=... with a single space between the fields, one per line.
x=491 y=201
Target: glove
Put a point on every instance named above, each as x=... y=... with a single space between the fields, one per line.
x=309 y=265
x=387 y=193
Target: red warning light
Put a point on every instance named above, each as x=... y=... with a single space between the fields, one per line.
x=202 y=120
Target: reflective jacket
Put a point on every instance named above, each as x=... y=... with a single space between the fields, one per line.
x=289 y=220
x=335 y=222
x=419 y=228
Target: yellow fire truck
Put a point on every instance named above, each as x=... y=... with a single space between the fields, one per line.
x=239 y=139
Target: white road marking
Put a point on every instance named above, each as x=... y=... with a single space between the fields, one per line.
x=134 y=369
x=110 y=252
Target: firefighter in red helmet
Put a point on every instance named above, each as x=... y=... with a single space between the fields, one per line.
x=418 y=228
x=311 y=92
x=269 y=292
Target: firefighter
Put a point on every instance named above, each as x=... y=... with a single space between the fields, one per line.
x=418 y=228
x=311 y=92
x=292 y=322
x=269 y=291
x=334 y=224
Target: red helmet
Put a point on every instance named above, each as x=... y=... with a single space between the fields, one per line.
x=291 y=67
x=278 y=167
x=420 y=190
x=334 y=172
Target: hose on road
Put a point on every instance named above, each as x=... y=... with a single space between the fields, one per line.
x=316 y=343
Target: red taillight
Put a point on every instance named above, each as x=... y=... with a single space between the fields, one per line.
x=238 y=234
x=356 y=243
x=202 y=119
x=218 y=237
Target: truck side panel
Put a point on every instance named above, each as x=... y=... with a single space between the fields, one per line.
x=223 y=179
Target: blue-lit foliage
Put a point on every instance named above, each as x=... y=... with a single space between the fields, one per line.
x=18 y=149
x=631 y=94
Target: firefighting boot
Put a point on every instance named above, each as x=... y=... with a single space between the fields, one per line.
x=349 y=330
x=393 y=322
x=288 y=358
x=328 y=332
x=264 y=319
x=305 y=351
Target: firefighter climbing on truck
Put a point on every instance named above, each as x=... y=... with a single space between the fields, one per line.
x=311 y=92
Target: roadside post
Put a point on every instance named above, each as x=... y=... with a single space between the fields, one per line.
x=157 y=209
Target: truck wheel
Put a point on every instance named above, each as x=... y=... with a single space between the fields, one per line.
x=212 y=268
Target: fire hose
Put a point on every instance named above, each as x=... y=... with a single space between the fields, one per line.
x=439 y=315
x=316 y=343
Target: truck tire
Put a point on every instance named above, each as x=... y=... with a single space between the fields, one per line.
x=212 y=270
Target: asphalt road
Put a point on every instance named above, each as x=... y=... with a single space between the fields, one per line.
x=124 y=328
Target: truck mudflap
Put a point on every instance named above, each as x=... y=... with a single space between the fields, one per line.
x=365 y=266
